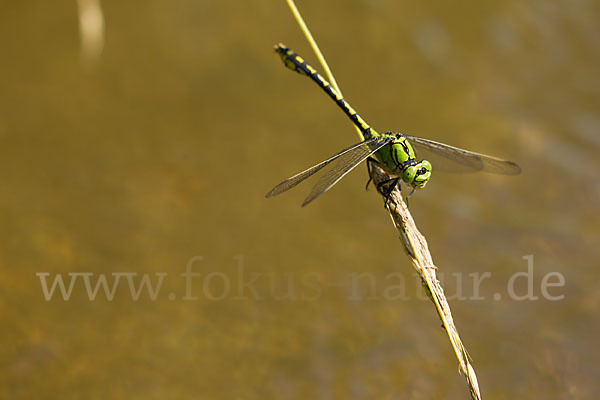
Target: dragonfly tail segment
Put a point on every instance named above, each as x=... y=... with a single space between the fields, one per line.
x=296 y=63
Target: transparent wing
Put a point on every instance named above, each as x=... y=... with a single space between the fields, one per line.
x=348 y=159
x=345 y=164
x=444 y=157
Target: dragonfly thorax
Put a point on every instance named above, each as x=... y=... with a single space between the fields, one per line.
x=400 y=160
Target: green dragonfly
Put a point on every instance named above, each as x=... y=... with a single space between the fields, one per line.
x=396 y=153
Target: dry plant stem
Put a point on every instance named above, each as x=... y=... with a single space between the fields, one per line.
x=418 y=252
x=414 y=243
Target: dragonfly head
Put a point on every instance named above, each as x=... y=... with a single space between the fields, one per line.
x=417 y=175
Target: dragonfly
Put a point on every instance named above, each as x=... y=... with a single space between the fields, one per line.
x=396 y=153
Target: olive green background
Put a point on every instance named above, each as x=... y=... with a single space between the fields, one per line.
x=158 y=154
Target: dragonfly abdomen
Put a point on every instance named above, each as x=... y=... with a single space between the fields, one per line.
x=296 y=63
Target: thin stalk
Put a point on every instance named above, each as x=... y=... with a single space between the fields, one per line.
x=317 y=51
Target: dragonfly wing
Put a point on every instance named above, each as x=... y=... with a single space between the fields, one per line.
x=296 y=179
x=452 y=159
x=346 y=163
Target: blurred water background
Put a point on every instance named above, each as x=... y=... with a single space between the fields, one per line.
x=143 y=137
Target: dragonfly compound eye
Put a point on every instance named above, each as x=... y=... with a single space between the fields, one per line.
x=409 y=173
x=422 y=175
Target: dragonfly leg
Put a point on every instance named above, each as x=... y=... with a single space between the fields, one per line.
x=369 y=161
x=386 y=188
x=409 y=195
